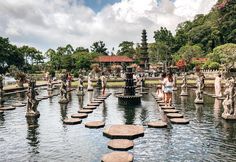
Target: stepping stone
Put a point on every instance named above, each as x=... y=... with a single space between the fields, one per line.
x=179 y=121
x=42 y=97
x=124 y=131
x=102 y=97
x=157 y=124
x=1 y=111
x=87 y=111
x=97 y=102
x=161 y=104
x=120 y=144
x=117 y=157
x=72 y=121
x=93 y=104
x=18 y=105
x=170 y=111
x=7 y=108
x=95 y=124
x=97 y=99
x=174 y=115
x=167 y=107
x=161 y=101
x=24 y=102
x=90 y=107
x=79 y=115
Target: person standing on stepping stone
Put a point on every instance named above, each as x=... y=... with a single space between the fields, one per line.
x=168 y=89
x=104 y=83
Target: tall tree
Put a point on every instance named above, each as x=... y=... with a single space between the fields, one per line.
x=126 y=49
x=99 y=47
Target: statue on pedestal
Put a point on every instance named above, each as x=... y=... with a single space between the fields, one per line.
x=184 y=88
x=32 y=103
x=217 y=85
x=1 y=91
x=80 y=89
x=90 y=86
x=63 y=90
x=50 y=85
x=229 y=101
x=199 y=91
x=175 y=82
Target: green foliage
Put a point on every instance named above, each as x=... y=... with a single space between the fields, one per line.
x=99 y=47
x=126 y=49
x=211 y=65
x=224 y=54
x=187 y=52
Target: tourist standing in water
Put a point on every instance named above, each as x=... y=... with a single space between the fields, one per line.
x=168 y=89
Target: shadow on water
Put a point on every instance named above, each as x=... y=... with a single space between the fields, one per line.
x=63 y=111
x=32 y=134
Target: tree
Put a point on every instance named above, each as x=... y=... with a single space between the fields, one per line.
x=99 y=47
x=126 y=49
x=9 y=55
x=224 y=54
x=187 y=52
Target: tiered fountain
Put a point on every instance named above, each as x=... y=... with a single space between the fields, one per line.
x=129 y=97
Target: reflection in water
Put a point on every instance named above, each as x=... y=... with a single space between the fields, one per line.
x=129 y=114
x=90 y=96
x=50 y=94
x=63 y=110
x=20 y=96
x=2 y=119
x=33 y=133
x=217 y=109
x=199 y=112
x=183 y=103
x=229 y=128
x=144 y=114
x=81 y=101
x=104 y=111
x=69 y=96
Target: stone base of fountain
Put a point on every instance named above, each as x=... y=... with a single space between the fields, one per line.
x=129 y=100
x=228 y=117
x=33 y=114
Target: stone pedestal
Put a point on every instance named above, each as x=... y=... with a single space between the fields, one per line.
x=228 y=116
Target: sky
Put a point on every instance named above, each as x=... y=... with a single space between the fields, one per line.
x=48 y=24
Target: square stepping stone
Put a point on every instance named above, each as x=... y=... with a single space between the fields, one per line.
x=87 y=111
x=179 y=121
x=72 y=121
x=95 y=124
x=79 y=115
x=117 y=157
x=157 y=124
x=120 y=144
x=174 y=115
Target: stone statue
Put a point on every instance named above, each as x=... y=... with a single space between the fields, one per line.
x=184 y=88
x=32 y=103
x=50 y=85
x=199 y=90
x=175 y=83
x=63 y=90
x=229 y=103
x=217 y=85
x=90 y=86
x=80 y=89
x=1 y=91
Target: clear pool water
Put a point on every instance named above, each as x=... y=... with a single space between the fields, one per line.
x=206 y=138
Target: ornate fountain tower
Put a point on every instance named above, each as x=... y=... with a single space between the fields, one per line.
x=129 y=97
x=144 y=52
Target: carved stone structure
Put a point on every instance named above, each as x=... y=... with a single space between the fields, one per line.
x=184 y=87
x=32 y=103
x=199 y=90
x=80 y=89
x=1 y=91
x=90 y=86
x=144 y=52
x=63 y=90
x=229 y=101
x=50 y=85
x=175 y=82
x=129 y=97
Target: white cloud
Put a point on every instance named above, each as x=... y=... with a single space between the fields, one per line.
x=49 y=24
